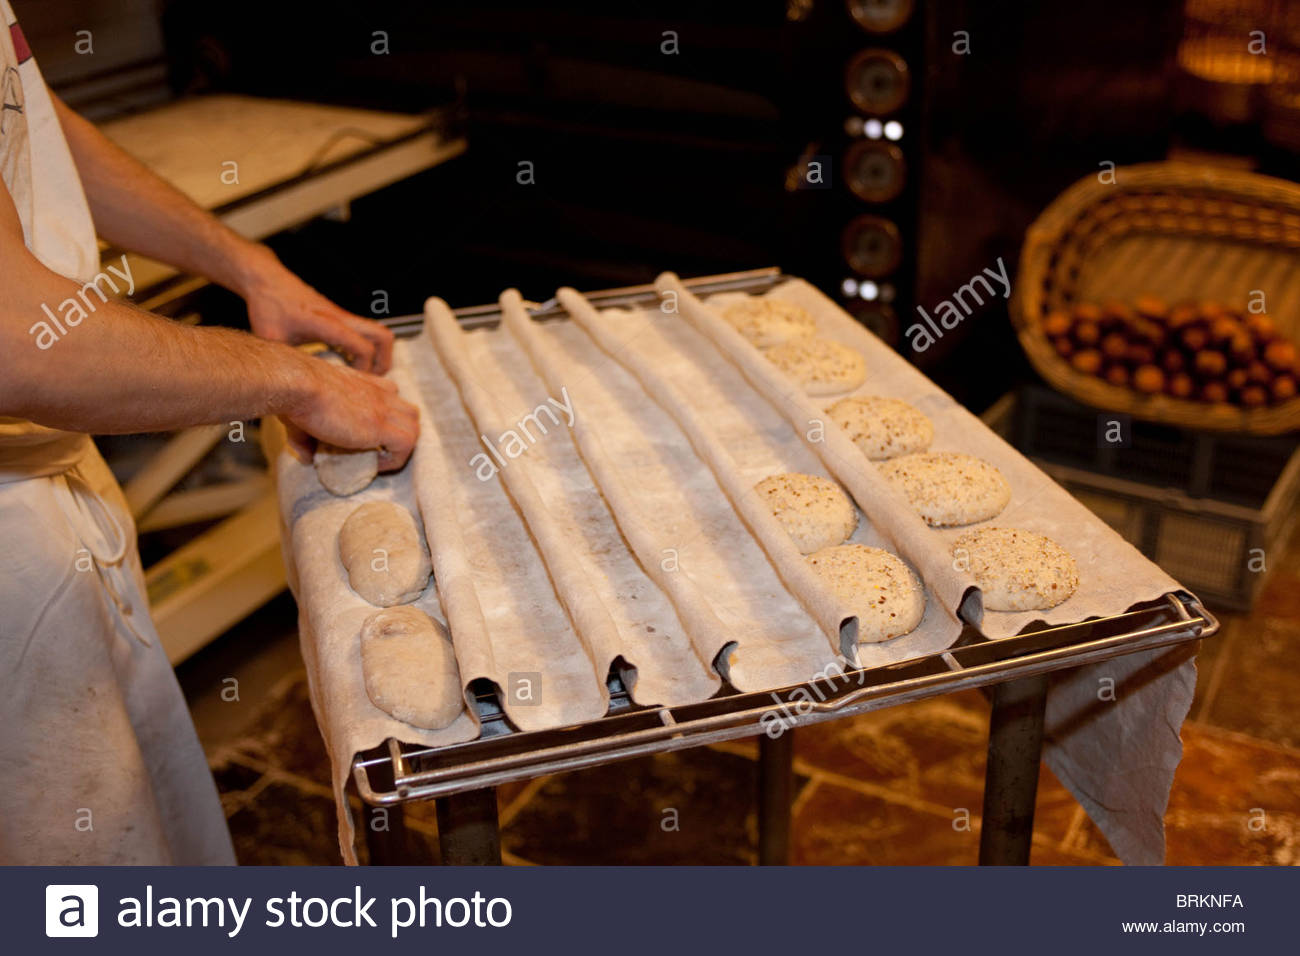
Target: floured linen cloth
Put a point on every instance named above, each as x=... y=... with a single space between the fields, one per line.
x=580 y=485
x=1112 y=728
x=330 y=616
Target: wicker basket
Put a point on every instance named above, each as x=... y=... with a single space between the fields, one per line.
x=1178 y=231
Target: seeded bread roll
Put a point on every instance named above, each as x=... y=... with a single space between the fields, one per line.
x=380 y=546
x=821 y=366
x=949 y=488
x=876 y=586
x=814 y=511
x=1017 y=570
x=345 y=471
x=410 y=667
x=883 y=427
x=767 y=322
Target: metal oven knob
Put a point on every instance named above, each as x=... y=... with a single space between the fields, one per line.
x=877 y=81
x=875 y=172
x=880 y=16
x=872 y=246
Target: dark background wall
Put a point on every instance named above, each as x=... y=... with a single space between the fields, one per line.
x=646 y=160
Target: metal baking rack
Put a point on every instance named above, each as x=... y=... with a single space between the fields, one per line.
x=399 y=772
x=478 y=316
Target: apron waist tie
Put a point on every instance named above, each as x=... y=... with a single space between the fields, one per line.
x=103 y=537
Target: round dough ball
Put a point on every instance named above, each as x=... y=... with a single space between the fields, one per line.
x=948 y=487
x=821 y=366
x=767 y=322
x=1018 y=570
x=814 y=511
x=381 y=548
x=410 y=667
x=877 y=586
x=883 y=427
x=345 y=471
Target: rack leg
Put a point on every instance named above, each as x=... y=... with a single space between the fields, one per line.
x=775 y=792
x=1011 y=779
x=386 y=837
x=468 y=832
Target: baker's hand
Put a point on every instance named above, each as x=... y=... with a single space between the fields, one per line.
x=350 y=409
x=283 y=308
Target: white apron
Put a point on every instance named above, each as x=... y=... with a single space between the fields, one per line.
x=100 y=761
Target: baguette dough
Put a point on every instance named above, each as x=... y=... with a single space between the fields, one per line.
x=410 y=667
x=876 y=586
x=345 y=471
x=1018 y=570
x=386 y=561
x=821 y=366
x=767 y=322
x=883 y=427
x=814 y=511
x=949 y=487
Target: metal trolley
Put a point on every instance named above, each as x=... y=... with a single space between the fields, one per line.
x=462 y=777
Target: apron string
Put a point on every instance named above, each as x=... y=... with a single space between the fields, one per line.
x=103 y=536
x=93 y=519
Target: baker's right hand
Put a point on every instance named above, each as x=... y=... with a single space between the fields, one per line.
x=350 y=409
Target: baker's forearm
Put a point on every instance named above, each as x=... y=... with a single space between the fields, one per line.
x=123 y=370
x=134 y=209
x=71 y=357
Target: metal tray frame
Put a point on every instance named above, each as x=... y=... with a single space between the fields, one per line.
x=397 y=773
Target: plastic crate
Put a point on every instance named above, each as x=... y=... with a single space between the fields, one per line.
x=1208 y=508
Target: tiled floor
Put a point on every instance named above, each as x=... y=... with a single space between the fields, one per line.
x=897 y=786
